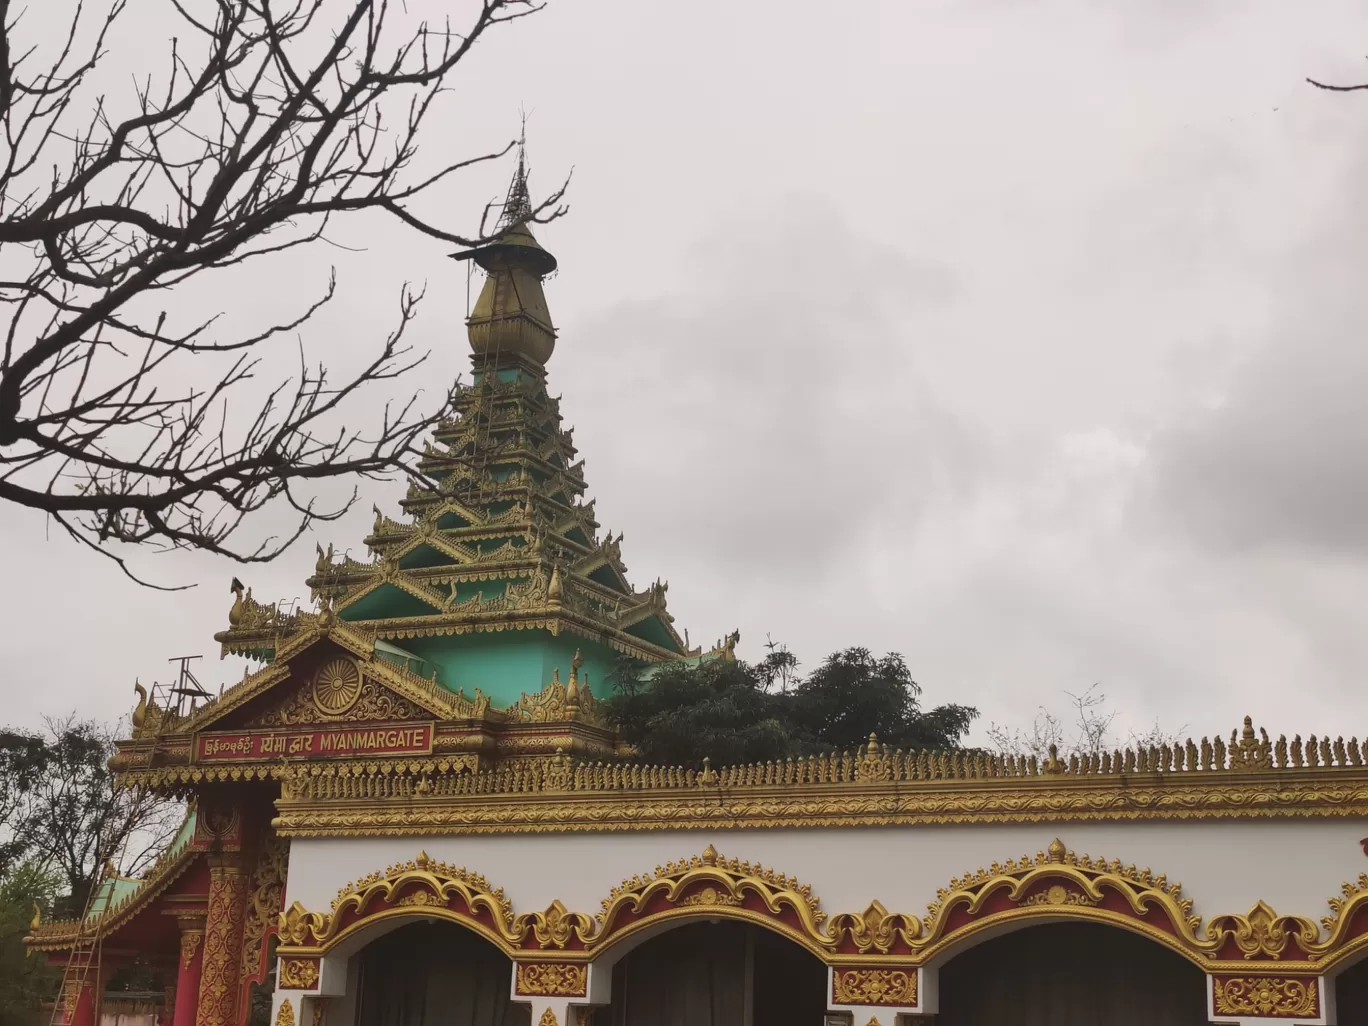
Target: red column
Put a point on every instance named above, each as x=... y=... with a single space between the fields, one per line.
x=222 y=955
x=81 y=1007
x=188 y=969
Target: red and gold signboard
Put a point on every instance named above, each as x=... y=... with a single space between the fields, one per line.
x=315 y=742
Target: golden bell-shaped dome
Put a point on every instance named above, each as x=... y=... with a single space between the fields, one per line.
x=510 y=316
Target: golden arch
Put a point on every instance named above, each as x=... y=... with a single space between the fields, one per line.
x=422 y=888
x=709 y=887
x=1053 y=885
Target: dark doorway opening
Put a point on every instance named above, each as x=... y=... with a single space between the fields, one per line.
x=1071 y=974
x=718 y=974
x=1351 y=993
x=436 y=974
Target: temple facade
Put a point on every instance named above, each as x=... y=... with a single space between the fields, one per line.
x=413 y=812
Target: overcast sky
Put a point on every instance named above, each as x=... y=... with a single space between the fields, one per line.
x=1025 y=339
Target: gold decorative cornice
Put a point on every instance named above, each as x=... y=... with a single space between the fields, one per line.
x=711 y=886
x=612 y=798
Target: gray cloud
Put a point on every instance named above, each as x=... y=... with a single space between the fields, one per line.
x=1048 y=376
x=1280 y=457
x=784 y=371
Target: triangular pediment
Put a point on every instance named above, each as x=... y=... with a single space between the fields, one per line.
x=328 y=681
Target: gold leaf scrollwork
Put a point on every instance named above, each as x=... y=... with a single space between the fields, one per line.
x=553 y=979
x=267 y=889
x=548 y=1018
x=1278 y=996
x=711 y=896
x=285 y=1017
x=299 y=926
x=1058 y=894
x=554 y=927
x=875 y=929
x=298 y=973
x=190 y=942
x=1262 y=933
x=888 y=987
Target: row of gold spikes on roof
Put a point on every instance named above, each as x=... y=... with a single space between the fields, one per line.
x=872 y=764
x=536 y=592
x=514 y=444
x=523 y=401
x=523 y=412
x=340 y=580
x=479 y=487
x=459 y=476
x=391 y=536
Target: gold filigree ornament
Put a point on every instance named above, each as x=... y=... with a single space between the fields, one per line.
x=336 y=686
x=711 y=896
x=285 y=1016
x=731 y=882
x=552 y=979
x=876 y=929
x=395 y=892
x=888 y=987
x=299 y=973
x=1058 y=894
x=1083 y=882
x=548 y=1018
x=1262 y=933
x=1266 y=996
x=555 y=927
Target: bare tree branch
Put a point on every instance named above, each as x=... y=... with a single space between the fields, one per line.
x=268 y=121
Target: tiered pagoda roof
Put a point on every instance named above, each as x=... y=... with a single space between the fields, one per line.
x=496 y=576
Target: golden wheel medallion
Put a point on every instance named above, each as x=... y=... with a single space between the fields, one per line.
x=336 y=687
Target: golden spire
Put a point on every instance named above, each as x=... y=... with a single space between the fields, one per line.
x=510 y=316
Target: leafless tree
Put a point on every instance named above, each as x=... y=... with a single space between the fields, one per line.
x=1087 y=730
x=268 y=121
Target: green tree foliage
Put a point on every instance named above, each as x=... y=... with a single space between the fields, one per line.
x=25 y=981
x=729 y=712
x=686 y=711
x=854 y=694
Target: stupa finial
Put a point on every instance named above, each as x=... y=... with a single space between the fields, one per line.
x=510 y=317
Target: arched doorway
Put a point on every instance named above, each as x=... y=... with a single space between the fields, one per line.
x=1351 y=993
x=1071 y=974
x=717 y=974
x=435 y=974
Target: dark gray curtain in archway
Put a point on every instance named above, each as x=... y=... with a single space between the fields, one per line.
x=690 y=976
x=1071 y=974
x=708 y=974
x=1351 y=994
x=436 y=974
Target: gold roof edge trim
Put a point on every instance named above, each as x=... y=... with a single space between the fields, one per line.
x=412 y=814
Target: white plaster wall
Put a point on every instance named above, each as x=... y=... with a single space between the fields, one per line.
x=1224 y=867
